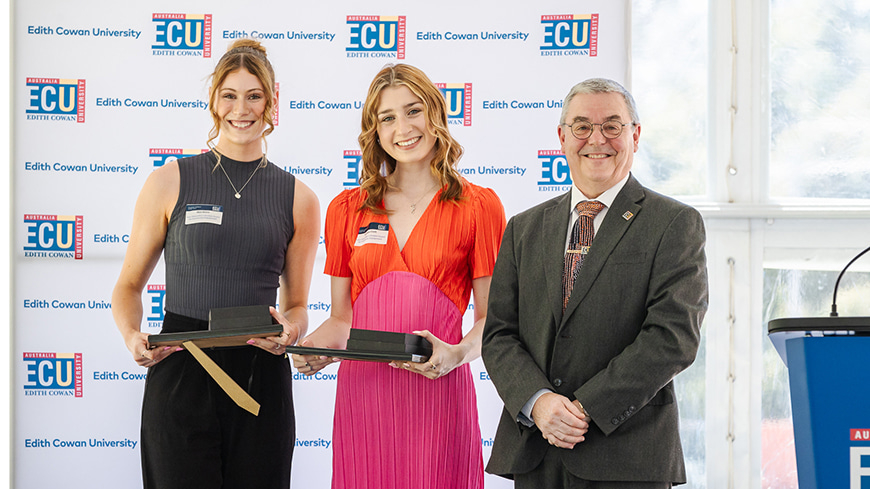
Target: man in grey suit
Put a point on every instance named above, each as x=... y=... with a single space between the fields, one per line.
x=586 y=369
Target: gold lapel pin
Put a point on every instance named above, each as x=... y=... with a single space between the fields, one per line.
x=583 y=250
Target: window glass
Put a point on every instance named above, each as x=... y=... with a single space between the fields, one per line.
x=819 y=71
x=669 y=84
x=691 y=388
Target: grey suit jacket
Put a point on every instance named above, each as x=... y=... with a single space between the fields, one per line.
x=632 y=323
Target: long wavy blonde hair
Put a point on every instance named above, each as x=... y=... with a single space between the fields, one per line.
x=377 y=163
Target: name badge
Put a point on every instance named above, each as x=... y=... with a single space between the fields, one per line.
x=203 y=213
x=374 y=233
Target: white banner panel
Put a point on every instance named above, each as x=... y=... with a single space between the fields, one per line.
x=104 y=92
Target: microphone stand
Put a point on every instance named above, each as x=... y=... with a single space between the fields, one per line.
x=837 y=284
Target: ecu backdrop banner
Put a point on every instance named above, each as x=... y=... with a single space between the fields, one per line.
x=104 y=92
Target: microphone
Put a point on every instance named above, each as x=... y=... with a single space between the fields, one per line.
x=837 y=284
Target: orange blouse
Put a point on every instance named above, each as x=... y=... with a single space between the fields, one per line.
x=452 y=243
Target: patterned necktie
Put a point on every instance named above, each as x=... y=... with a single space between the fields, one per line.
x=581 y=239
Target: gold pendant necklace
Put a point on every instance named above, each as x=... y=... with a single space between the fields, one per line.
x=238 y=192
x=414 y=205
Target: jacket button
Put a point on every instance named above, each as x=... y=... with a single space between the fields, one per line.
x=614 y=421
x=557 y=382
x=631 y=409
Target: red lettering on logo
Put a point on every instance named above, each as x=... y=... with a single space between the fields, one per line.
x=557 y=17
x=50 y=81
x=39 y=355
x=168 y=16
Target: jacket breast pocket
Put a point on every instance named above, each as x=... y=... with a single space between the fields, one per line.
x=624 y=258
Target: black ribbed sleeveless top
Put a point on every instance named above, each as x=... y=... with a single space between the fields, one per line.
x=238 y=261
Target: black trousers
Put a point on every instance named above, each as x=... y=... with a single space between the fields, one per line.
x=194 y=436
x=552 y=474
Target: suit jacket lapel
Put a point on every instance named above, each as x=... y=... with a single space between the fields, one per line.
x=605 y=240
x=554 y=233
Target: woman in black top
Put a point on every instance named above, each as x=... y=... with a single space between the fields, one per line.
x=232 y=227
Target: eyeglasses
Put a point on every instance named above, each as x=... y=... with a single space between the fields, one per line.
x=609 y=129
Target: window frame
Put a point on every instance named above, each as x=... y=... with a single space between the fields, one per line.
x=742 y=222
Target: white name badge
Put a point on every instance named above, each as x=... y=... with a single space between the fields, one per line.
x=203 y=213
x=374 y=233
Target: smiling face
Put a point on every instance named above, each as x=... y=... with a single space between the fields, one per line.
x=240 y=104
x=403 y=128
x=598 y=163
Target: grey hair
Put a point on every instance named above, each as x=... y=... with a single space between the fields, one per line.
x=600 y=85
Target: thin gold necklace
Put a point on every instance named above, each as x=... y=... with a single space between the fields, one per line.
x=414 y=205
x=238 y=192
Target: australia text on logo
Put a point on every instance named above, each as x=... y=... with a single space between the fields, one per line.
x=157 y=294
x=162 y=156
x=182 y=35
x=555 y=173
x=570 y=35
x=374 y=36
x=353 y=158
x=458 y=99
x=52 y=374
x=56 y=99
x=52 y=236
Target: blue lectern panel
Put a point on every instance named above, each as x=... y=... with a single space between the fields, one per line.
x=829 y=379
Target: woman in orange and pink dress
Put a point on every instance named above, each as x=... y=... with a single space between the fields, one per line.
x=405 y=253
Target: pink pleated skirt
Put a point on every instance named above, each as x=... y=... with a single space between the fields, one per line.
x=394 y=429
